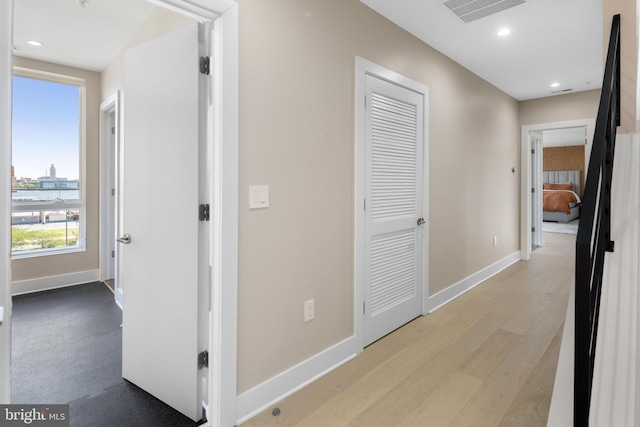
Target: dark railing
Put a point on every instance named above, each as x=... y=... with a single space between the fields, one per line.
x=593 y=239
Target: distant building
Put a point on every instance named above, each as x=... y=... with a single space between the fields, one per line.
x=52 y=182
x=59 y=184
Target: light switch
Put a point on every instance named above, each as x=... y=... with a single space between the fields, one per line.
x=258 y=196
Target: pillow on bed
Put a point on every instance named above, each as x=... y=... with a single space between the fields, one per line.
x=566 y=186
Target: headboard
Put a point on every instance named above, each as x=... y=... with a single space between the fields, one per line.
x=560 y=177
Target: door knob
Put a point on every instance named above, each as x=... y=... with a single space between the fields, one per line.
x=126 y=239
x=421 y=221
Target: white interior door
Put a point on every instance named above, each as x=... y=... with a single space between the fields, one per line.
x=160 y=213
x=393 y=211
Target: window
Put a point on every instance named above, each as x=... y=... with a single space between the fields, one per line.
x=47 y=172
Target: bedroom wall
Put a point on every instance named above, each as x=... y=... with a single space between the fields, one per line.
x=54 y=265
x=297 y=66
x=564 y=159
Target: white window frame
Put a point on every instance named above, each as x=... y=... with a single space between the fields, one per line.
x=56 y=205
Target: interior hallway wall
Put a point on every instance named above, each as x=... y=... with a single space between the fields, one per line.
x=297 y=66
x=574 y=106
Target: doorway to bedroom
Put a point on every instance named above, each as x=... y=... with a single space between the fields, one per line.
x=554 y=159
x=559 y=162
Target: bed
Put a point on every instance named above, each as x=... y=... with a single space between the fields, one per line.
x=561 y=196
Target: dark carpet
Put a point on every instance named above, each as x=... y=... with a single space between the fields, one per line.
x=67 y=348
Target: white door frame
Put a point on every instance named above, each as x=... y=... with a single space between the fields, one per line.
x=536 y=174
x=109 y=140
x=6 y=72
x=221 y=399
x=364 y=67
x=224 y=174
x=525 y=172
x=223 y=327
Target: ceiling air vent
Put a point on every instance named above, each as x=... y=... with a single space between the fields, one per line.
x=470 y=10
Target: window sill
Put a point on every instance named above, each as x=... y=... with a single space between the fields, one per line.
x=46 y=252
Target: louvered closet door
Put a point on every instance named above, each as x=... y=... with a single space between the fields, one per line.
x=393 y=205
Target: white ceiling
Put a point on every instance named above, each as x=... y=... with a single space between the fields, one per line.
x=550 y=41
x=87 y=37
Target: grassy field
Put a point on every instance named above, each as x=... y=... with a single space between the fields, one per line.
x=25 y=239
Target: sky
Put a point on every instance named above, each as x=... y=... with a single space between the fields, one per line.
x=45 y=128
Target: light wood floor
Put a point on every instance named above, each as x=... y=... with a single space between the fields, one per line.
x=487 y=358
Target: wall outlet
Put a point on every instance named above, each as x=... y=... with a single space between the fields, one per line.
x=495 y=240
x=309 y=310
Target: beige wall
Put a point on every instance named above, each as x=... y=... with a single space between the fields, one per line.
x=297 y=136
x=575 y=106
x=53 y=265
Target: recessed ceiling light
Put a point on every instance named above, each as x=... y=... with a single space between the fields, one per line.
x=504 y=32
x=34 y=43
x=83 y=3
x=555 y=84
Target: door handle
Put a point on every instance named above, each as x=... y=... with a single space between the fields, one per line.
x=421 y=221
x=126 y=239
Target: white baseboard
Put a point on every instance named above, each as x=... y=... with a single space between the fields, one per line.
x=53 y=282
x=119 y=297
x=259 y=398
x=454 y=291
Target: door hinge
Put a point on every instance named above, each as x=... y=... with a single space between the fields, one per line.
x=113 y=254
x=113 y=130
x=365 y=204
x=204 y=65
x=363 y=311
x=113 y=191
x=203 y=359
x=533 y=190
x=533 y=229
x=533 y=151
x=204 y=212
